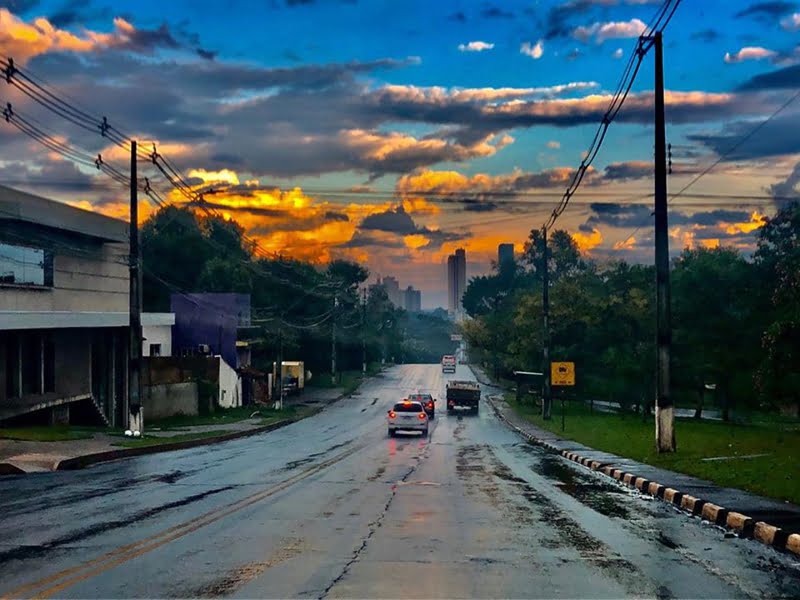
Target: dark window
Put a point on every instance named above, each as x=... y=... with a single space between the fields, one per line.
x=31 y=364
x=155 y=349
x=49 y=364
x=411 y=407
x=12 y=365
x=22 y=265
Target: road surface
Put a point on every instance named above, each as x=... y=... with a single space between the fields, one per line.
x=330 y=507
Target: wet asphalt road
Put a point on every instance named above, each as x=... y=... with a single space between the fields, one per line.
x=332 y=507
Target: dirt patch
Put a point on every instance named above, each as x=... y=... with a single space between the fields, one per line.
x=377 y=474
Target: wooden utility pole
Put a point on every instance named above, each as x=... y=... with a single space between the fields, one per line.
x=547 y=400
x=333 y=337
x=665 y=413
x=135 y=418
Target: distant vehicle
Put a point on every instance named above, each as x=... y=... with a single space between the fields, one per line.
x=448 y=363
x=463 y=394
x=428 y=403
x=407 y=416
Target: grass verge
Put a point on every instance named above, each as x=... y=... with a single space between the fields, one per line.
x=775 y=474
x=158 y=441
x=48 y=433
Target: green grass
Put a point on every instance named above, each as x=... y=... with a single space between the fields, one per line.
x=48 y=433
x=158 y=441
x=219 y=417
x=776 y=475
x=347 y=380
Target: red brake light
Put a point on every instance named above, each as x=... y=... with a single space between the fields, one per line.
x=422 y=415
x=430 y=404
x=392 y=414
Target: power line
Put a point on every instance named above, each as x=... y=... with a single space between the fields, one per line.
x=664 y=14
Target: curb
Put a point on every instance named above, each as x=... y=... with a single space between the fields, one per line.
x=742 y=525
x=9 y=469
x=81 y=462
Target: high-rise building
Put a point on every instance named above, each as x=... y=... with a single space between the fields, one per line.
x=505 y=252
x=393 y=290
x=456 y=282
x=412 y=299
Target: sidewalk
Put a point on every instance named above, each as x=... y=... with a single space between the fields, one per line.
x=18 y=456
x=690 y=493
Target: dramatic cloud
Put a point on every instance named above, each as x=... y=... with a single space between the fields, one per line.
x=23 y=40
x=749 y=53
x=495 y=12
x=787 y=187
x=791 y=23
x=767 y=11
x=534 y=51
x=780 y=136
x=476 y=46
x=601 y=32
x=622 y=171
x=587 y=241
x=706 y=35
x=782 y=78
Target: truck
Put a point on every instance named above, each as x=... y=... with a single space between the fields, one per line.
x=448 y=363
x=463 y=394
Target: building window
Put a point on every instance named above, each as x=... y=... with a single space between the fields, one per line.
x=49 y=364
x=155 y=349
x=31 y=364
x=12 y=365
x=21 y=265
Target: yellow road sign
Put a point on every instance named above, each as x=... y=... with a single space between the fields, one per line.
x=562 y=373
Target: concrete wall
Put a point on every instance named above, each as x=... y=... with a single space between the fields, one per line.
x=166 y=400
x=157 y=334
x=230 y=386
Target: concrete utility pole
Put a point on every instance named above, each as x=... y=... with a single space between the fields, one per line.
x=364 y=332
x=547 y=400
x=665 y=413
x=135 y=418
x=333 y=337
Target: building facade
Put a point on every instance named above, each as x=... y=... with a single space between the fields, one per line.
x=392 y=287
x=456 y=282
x=209 y=323
x=412 y=299
x=505 y=253
x=64 y=317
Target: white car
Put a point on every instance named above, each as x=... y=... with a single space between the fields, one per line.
x=407 y=416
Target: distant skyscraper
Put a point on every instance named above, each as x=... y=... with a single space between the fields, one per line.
x=456 y=281
x=505 y=252
x=393 y=291
x=412 y=299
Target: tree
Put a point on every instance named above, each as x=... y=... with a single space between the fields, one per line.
x=563 y=255
x=778 y=259
x=714 y=331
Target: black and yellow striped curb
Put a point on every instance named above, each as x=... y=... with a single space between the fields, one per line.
x=742 y=525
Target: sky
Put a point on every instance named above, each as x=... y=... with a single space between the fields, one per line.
x=392 y=133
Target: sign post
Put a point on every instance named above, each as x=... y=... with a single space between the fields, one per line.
x=562 y=374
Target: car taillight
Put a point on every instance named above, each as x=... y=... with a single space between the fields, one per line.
x=430 y=405
x=422 y=416
x=392 y=414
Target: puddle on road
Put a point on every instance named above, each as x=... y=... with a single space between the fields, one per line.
x=586 y=489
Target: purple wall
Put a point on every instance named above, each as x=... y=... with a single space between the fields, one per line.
x=209 y=319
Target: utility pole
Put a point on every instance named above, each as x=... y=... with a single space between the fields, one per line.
x=364 y=332
x=665 y=413
x=135 y=418
x=547 y=400
x=333 y=337
x=280 y=369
